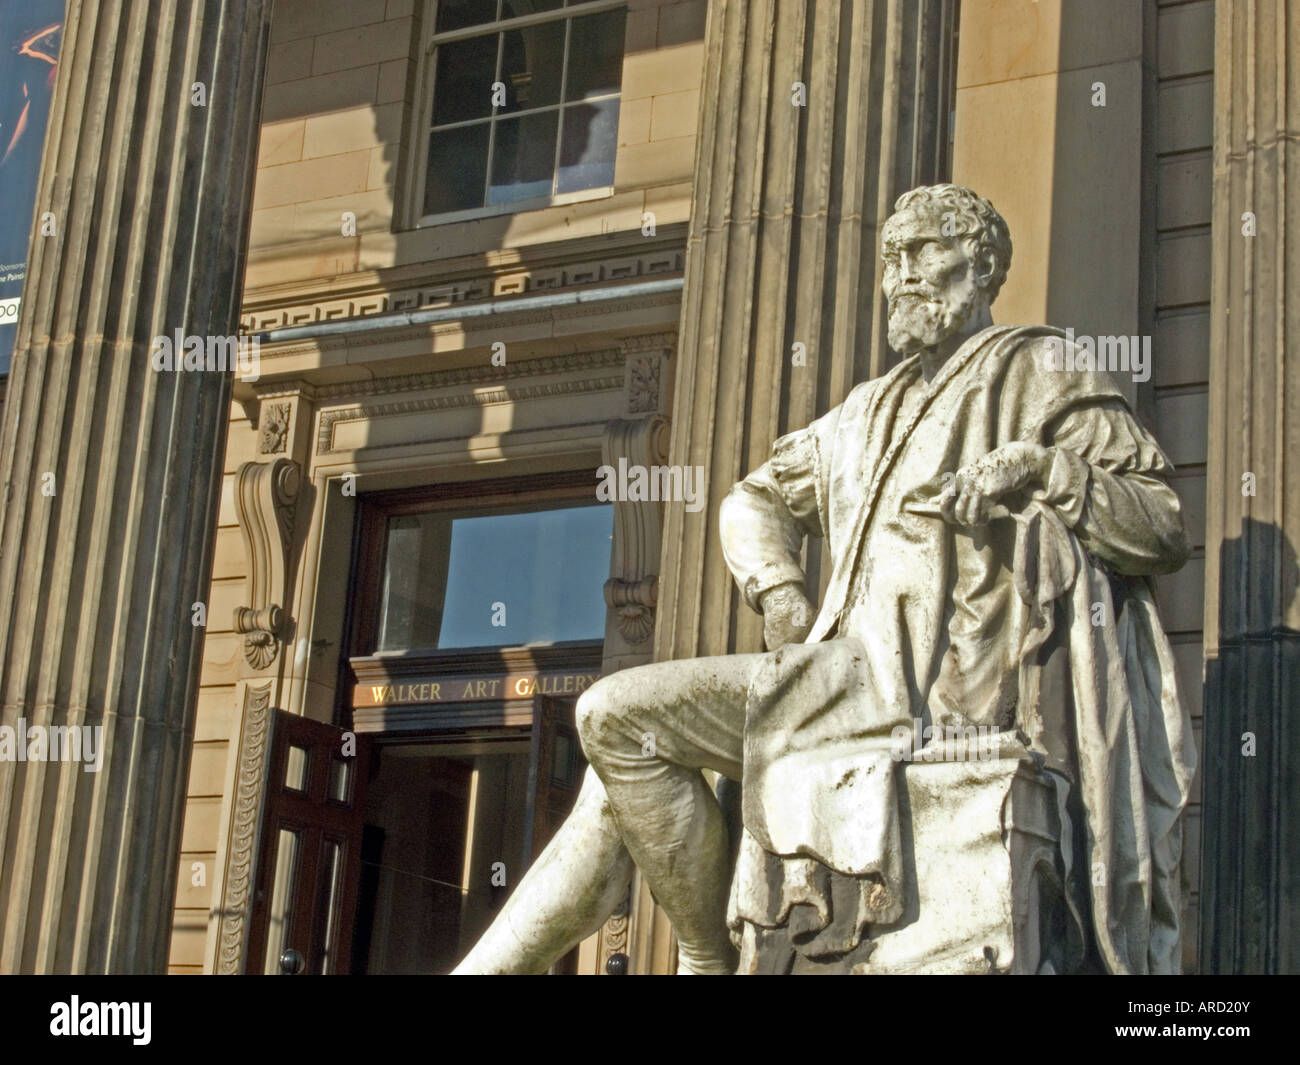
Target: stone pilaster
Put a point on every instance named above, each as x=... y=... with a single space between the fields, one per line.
x=816 y=116
x=112 y=471
x=1251 y=761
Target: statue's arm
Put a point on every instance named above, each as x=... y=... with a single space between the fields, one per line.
x=764 y=519
x=761 y=536
x=1107 y=478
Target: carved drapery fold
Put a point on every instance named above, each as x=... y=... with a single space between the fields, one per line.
x=266 y=495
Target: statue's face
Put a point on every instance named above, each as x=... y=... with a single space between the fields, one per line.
x=930 y=280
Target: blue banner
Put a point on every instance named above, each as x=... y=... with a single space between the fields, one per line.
x=30 y=34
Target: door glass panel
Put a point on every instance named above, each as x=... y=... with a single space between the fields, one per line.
x=295 y=768
x=288 y=849
x=564 y=763
x=328 y=889
x=340 y=789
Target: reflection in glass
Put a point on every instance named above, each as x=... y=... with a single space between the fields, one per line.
x=515 y=8
x=340 y=785
x=295 y=769
x=532 y=64
x=329 y=887
x=596 y=48
x=562 y=75
x=457 y=168
x=523 y=163
x=462 y=86
x=280 y=914
x=444 y=574
x=587 y=146
x=438 y=824
x=457 y=14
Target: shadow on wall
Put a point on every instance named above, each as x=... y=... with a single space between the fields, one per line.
x=1251 y=758
x=353 y=27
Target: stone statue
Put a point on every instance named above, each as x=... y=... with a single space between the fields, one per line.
x=994 y=520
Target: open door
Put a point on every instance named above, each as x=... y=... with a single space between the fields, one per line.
x=555 y=769
x=309 y=863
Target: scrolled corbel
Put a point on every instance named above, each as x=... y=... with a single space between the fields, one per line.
x=266 y=495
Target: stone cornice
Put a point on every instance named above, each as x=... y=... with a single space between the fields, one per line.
x=330 y=418
x=427 y=286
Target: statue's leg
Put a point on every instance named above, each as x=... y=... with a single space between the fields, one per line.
x=648 y=732
x=572 y=888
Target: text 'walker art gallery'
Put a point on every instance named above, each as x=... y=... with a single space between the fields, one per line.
x=632 y=487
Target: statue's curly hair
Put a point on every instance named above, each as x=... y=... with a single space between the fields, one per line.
x=974 y=216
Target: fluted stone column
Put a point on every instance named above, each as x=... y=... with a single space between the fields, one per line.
x=1250 y=874
x=792 y=183
x=112 y=471
x=815 y=116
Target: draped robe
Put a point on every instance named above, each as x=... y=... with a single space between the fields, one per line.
x=926 y=620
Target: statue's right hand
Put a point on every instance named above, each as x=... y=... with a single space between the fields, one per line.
x=787 y=615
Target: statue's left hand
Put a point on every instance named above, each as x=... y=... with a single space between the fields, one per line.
x=969 y=499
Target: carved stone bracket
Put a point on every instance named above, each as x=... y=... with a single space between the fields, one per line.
x=635 y=602
x=266 y=495
x=275 y=428
x=632 y=590
x=647 y=373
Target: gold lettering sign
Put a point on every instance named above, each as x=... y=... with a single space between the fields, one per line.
x=472 y=689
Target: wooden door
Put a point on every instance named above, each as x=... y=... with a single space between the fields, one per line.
x=310 y=855
x=555 y=768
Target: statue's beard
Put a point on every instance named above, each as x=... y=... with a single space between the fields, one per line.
x=922 y=320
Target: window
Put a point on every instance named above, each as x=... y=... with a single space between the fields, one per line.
x=523 y=99
x=504 y=577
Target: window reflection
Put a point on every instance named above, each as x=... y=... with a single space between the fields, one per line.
x=521 y=114
x=498 y=579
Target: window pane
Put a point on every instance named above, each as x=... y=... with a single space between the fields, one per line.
x=457 y=169
x=596 y=55
x=295 y=769
x=523 y=159
x=532 y=62
x=515 y=8
x=280 y=915
x=445 y=576
x=587 y=146
x=462 y=86
x=415 y=581
x=340 y=784
x=329 y=888
x=457 y=14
